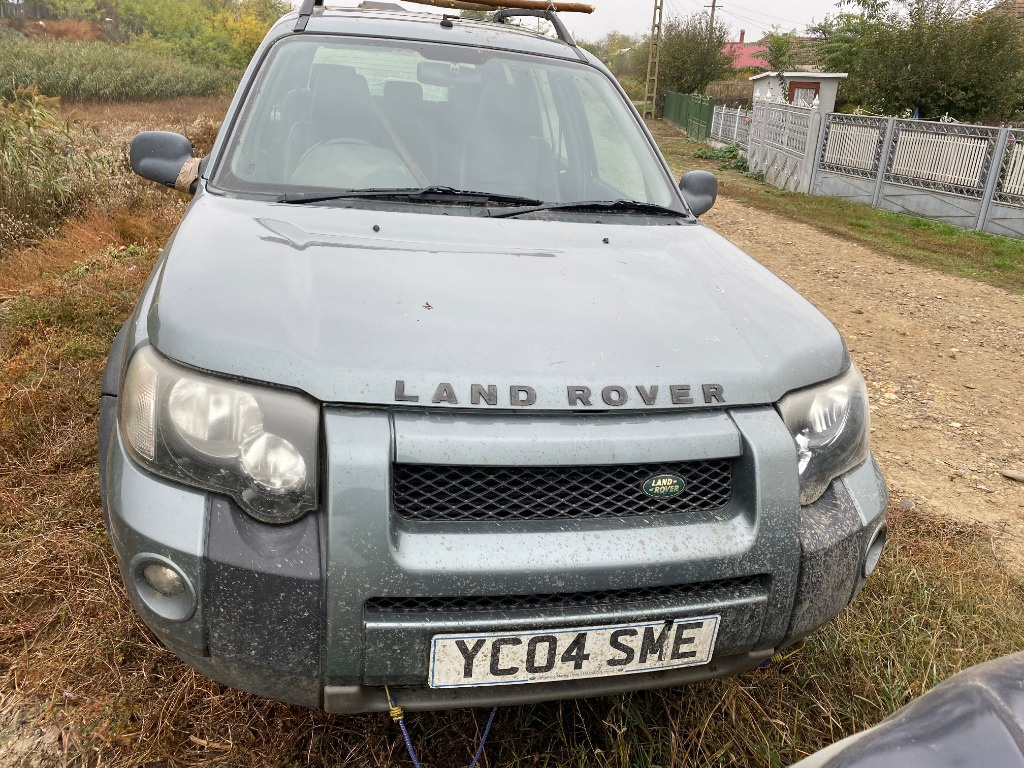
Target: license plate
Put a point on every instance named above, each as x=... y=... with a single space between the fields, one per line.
x=504 y=658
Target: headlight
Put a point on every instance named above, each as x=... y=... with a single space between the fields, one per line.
x=253 y=443
x=831 y=426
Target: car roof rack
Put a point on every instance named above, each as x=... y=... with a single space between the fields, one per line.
x=563 y=34
x=509 y=9
x=305 y=11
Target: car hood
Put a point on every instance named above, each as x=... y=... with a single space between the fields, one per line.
x=378 y=307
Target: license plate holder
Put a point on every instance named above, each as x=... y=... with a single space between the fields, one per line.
x=550 y=655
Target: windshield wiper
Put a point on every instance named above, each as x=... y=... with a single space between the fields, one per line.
x=591 y=205
x=432 y=194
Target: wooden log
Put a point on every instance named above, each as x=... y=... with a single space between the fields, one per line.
x=560 y=6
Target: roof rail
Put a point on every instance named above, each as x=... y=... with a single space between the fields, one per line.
x=563 y=34
x=305 y=11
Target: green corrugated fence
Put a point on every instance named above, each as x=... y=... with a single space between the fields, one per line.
x=690 y=112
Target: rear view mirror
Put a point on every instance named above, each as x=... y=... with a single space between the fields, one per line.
x=446 y=74
x=700 y=190
x=161 y=156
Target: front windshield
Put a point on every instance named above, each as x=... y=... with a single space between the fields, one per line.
x=338 y=114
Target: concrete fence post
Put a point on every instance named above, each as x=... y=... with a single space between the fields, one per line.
x=995 y=168
x=883 y=161
x=762 y=155
x=812 y=152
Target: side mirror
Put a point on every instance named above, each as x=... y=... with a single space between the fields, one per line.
x=161 y=156
x=700 y=190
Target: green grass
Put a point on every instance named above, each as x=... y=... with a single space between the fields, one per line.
x=103 y=72
x=992 y=259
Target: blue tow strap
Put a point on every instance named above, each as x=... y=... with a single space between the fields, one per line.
x=398 y=715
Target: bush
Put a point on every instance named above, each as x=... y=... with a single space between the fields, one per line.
x=95 y=71
x=633 y=86
x=49 y=167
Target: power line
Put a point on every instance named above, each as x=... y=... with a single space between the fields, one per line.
x=752 y=12
x=760 y=24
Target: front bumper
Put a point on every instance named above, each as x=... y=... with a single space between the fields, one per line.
x=295 y=613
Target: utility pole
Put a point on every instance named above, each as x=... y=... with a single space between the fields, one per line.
x=651 y=88
x=711 y=27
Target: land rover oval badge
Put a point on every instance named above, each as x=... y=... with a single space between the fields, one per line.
x=664 y=486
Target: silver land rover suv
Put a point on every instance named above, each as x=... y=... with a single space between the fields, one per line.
x=441 y=385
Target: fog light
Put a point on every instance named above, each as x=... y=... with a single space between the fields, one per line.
x=164 y=580
x=874 y=553
x=163 y=587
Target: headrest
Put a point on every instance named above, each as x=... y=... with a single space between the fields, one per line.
x=331 y=69
x=402 y=91
x=339 y=94
x=509 y=107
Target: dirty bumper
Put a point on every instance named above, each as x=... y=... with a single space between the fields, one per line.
x=325 y=611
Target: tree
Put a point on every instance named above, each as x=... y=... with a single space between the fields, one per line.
x=929 y=57
x=691 y=54
x=610 y=49
x=779 y=56
x=780 y=51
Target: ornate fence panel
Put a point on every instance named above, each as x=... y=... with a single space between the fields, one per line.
x=730 y=125
x=783 y=143
x=1010 y=189
x=853 y=144
x=941 y=156
x=971 y=176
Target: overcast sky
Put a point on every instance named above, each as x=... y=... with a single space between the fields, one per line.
x=634 y=16
x=755 y=16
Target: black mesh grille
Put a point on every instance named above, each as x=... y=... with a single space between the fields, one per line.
x=609 y=597
x=437 y=492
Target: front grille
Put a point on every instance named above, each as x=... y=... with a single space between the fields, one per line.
x=604 y=598
x=428 y=492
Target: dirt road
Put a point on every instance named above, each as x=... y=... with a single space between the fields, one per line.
x=944 y=360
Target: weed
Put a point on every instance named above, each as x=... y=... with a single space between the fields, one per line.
x=97 y=71
x=49 y=166
x=729 y=157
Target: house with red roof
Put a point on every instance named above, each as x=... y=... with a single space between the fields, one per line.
x=746 y=55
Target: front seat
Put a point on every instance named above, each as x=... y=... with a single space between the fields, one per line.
x=506 y=153
x=340 y=109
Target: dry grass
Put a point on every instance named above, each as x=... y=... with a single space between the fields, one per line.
x=61 y=160
x=72 y=30
x=71 y=645
x=181 y=114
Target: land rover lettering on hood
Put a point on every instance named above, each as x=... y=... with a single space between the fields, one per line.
x=441 y=388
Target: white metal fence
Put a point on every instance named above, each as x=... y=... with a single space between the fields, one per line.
x=947 y=157
x=731 y=126
x=782 y=143
x=787 y=126
x=1011 y=180
x=853 y=144
x=968 y=175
